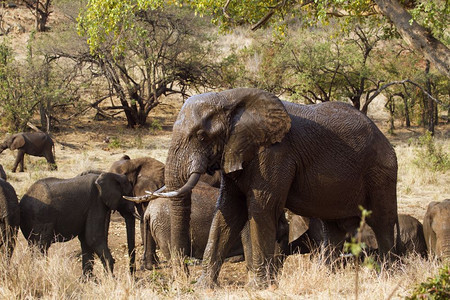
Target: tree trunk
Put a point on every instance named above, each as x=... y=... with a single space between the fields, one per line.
x=407 y=119
x=416 y=36
x=430 y=101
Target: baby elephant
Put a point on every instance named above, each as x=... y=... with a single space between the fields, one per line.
x=9 y=217
x=436 y=227
x=57 y=210
x=32 y=143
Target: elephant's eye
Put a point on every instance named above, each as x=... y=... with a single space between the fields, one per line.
x=201 y=135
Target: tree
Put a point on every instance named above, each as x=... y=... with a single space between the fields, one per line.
x=160 y=52
x=41 y=11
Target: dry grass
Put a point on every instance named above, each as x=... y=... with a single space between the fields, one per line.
x=58 y=276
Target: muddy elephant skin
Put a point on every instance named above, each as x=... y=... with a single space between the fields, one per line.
x=58 y=210
x=31 y=143
x=322 y=160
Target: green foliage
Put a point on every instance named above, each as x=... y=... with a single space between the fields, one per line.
x=430 y=155
x=115 y=143
x=437 y=287
x=16 y=106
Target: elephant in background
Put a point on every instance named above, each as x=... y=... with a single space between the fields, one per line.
x=323 y=160
x=2 y=173
x=57 y=210
x=436 y=228
x=31 y=143
x=306 y=235
x=9 y=218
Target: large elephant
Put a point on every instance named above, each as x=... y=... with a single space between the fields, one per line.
x=436 y=228
x=204 y=196
x=32 y=143
x=322 y=160
x=9 y=217
x=57 y=210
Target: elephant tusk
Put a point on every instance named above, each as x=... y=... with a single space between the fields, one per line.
x=140 y=199
x=190 y=184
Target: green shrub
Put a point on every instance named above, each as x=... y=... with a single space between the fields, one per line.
x=431 y=156
x=437 y=287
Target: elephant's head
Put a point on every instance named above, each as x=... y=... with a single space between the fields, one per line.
x=217 y=131
x=436 y=228
x=13 y=142
x=112 y=187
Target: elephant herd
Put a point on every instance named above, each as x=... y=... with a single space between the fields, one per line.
x=242 y=167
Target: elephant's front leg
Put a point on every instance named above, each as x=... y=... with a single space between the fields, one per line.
x=87 y=257
x=228 y=221
x=263 y=224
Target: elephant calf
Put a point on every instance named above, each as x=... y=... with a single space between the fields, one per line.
x=57 y=210
x=32 y=143
x=436 y=228
x=9 y=217
x=308 y=234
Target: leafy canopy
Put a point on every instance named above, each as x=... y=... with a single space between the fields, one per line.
x=103 y=18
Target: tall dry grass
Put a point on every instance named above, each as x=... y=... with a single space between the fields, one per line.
x=58 y=276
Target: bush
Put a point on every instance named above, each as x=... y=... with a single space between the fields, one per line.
x=435 y=287
x=431 y=156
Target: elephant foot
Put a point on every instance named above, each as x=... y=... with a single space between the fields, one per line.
x=205 y=282
x=256 y=281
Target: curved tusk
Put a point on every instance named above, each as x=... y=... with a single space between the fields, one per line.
x=140 y=199
x=190 y=184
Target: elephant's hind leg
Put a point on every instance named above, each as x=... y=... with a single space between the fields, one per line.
x=19 y=159
x=383 y=218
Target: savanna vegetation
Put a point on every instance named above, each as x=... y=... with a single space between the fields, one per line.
x=107 y=78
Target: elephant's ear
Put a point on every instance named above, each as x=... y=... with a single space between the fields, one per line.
x=111 y=188
x=18 y=141
x=297 y=226
x=257 y=119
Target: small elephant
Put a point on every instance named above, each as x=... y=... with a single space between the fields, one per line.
x=32 y=143
x=57 y=210
x=436 y=228
x=9 y=217
x=157 y=225
x=2 y=173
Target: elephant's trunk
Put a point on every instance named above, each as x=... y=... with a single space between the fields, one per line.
x=180 y=206
x=131 y=232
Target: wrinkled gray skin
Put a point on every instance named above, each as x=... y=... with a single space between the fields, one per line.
x=322 y=160
x=31 y=143
x=436 y=228
x=9 y=218
x=204 y=196
x=306 y=235
x=58 y=210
